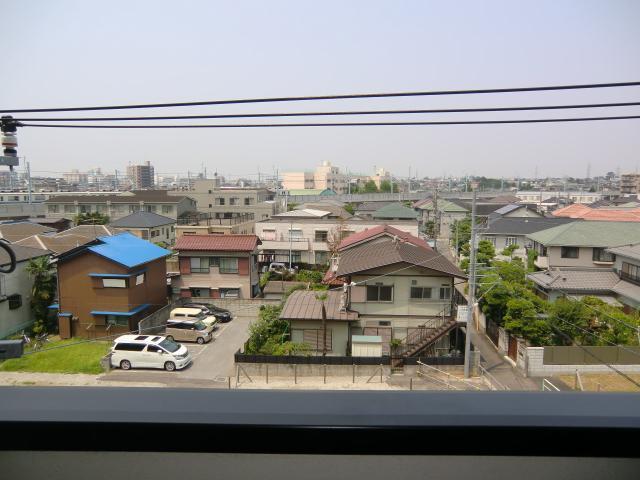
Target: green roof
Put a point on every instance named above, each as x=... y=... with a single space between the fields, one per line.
x=395 y=210
x=443 y=206
x=589 y=234
x=312 y=191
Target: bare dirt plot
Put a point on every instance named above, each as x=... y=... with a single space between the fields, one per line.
x=609 y=382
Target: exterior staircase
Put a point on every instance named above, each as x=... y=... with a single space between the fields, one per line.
x=424 y=337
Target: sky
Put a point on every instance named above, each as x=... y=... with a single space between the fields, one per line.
x=78 y=53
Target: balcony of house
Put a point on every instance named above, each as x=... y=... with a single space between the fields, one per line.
x=280 y=241
x=209 y=219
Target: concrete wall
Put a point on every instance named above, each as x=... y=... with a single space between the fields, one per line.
x=17 y=282
x=118 y=210
x=585 y=258
x=535 y=366
x=19 y=209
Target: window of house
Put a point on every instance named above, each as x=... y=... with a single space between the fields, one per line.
x=379 y=293
x=321 y=236
x=630 y=272
x=199 y=264
x=491 y=239
x=248 y=201
x=445 y=292
x=510 y=241
x=140 y=279
x=322 y=258
x=114 y=282
x=166 y=208
x=197 y=292
x=15 y=301
x=268 y=234
x=600 y=255
x=296 y=256
x=569 y=252
x=118 y=321
x=220 y=201
x=421 y=293
x=53 y=208
x=210 y=206
x=234 y=201
x=228 y=265
x=295 y=234
x=229 y=293
x=173 y=228
x=69 y=208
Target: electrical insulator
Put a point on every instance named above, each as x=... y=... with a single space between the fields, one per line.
x=9 y=129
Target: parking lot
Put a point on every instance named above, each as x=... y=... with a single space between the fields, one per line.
x=212 y=363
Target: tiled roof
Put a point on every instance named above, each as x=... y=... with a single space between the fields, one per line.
x=522 y=225
x=603 y=214
x=21 y=253
x=588 y=280
x=57 y=244
x=90 y=231
x=395 y=210
x=14 y=231
x=378 y=231
x=128 y=250
x=378 y=254
x=228 y=243
x=628 y=290
x=304 y=213
x=303 y=305
x=371 y=206
x=142 y=219
x=508 y=209
x=630 y=251
x=589 y=234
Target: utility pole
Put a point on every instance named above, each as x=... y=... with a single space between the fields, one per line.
x=472 y=287
x=290 y=253
x=29 y=181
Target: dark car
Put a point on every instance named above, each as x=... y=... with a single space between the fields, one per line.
x=222 y=314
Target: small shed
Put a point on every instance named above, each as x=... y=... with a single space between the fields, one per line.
x=366 y=346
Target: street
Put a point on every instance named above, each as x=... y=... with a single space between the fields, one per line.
x=212 y=363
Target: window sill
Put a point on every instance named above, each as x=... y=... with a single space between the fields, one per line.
x=601 y=262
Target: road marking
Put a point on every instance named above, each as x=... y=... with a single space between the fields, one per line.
x=200 y=352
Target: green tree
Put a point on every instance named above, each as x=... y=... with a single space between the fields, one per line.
x=268 y=331
x=486 y=253
x=42 y=293
x=523 y=319
x=350 y=207
x=463 y=229
x=508 y=250
x=322 y=297
x=291 y=206
x=310 y=276
x=93 y=218
x=430 y=228
x=370 y=187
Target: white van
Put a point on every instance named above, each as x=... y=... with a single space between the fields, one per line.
x=148 y=351
x=193 y=313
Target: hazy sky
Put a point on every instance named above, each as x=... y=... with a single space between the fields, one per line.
x=75 y=53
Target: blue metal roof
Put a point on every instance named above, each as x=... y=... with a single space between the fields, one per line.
x=122 y=314
x=128 y=250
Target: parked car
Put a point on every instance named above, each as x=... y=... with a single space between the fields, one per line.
x=222 y=314
x=194 y=313
x=148 y=351
x=280 y=268
x=189 y=331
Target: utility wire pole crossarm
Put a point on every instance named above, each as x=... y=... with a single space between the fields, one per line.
x=472 y=286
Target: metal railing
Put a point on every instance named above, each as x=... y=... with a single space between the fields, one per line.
x=448 y=377
x=493 y=382
x=547 y=386
x=425 y=331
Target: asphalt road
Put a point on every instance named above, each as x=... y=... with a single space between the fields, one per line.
x=212 y=363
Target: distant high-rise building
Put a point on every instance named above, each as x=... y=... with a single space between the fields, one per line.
x=76 y=177
x=630 y=183
x=141 y=176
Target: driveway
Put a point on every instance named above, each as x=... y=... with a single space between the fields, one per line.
x=212 y=363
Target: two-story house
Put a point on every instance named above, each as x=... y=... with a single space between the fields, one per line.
x=107 y=286
x=15 y=290
x=627 y=266
x=395 y=287
x=217 y=266
x=148 y=226
x=308 y=237
x=505 y=231
x=582 y=244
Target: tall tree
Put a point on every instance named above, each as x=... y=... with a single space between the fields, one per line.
x=42 y=293
x=370 y=187
x=322 y=297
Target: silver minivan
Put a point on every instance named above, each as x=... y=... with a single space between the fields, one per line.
x=189 y=331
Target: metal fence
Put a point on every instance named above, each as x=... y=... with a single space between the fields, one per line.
x=311 y=360
x=459 y=360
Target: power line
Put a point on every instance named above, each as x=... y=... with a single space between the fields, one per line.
x=349 y=124
x=329 y=97
x=334 y=113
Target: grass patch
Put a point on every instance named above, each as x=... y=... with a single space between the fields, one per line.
x=608 y=382
x=80 y=358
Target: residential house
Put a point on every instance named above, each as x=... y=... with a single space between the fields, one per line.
x=514 y=210
x=395 y=287
x=630 y=183
x=308 y=237
x=148 y=226
x=15 y=290
x=443 y=212
x=532 y=196
x=627 y=266
x=505 y=231
x=226 y=202
x=14 y=231
x=217 y=266
x=576 y=283
x=303 y=311
x=121 y=204
x=366 y=209
x=205 y=224
x=582 y=244
x=603 y=214
x=108 y=285
x=67 y=240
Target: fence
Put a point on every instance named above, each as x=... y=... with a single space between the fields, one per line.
x=542 y=361
x=155 y=323
x=311 y=360
x=439 y=361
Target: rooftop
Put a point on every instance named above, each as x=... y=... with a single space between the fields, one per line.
x=142 y=219
x=381 y=230
x=574 y=280
x=589 y=234
x=603 y=214
x=303 y=305
x=629 y=251
x=303 y=213
x=127 y=250
x=21 y=253
x=372 y=206
x=395 y=210
x=388 y=252
x=14 y=231
x=212 y=242
x=522 y=225
x=311 y=191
